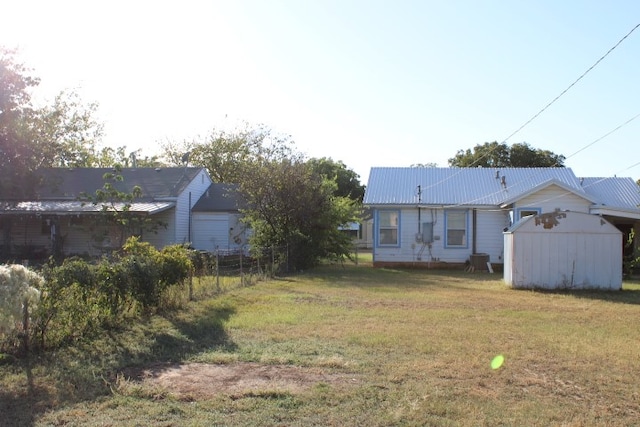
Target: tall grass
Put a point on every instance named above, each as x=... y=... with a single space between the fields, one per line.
x=419 y=344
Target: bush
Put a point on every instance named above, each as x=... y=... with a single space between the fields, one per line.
x=19 y=296
x=72 y=304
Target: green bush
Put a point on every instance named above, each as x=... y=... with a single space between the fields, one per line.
x=72 y=305
x=176 y=265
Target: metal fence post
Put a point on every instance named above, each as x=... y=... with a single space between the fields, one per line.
x=217 y=271
x=241 y=271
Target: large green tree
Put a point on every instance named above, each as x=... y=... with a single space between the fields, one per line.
x=18 y=156
x=228 y=154
x=294 y=209
x=66 y=133
x=347 y=181
x=293 y=205
x=494 y=154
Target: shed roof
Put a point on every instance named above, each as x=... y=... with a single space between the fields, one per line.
x=564 y=222
x=220 y=197
x=461 y=186
x=155 y=183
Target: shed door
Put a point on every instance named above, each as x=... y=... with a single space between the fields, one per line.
x=211 y=232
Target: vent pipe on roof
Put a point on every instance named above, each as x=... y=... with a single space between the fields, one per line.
x=504 y=181
x=497 y=174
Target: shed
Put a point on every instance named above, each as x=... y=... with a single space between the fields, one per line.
x=563 y=250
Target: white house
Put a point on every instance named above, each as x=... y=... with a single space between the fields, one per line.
x=59 y=218
x=441 y=217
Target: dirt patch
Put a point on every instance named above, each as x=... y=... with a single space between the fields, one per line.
x=198 y=381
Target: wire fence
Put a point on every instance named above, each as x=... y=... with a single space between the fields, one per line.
x=223 y=270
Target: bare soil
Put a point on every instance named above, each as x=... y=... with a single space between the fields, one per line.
x=200 y=381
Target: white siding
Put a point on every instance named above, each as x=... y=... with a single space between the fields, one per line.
x=196 y=188
x=552 y=198
x=489 y=240
x=165 y=232
x=490 y=225
x=581 y=251
x=218 y=231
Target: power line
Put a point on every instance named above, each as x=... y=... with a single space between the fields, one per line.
x=605 y=135
x=572 y=84
x=551 y=103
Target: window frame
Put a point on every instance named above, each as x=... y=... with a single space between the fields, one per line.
x=465 y=243
x=519 y=211
x=379 y=227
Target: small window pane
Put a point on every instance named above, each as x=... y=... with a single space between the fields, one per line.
x=388 y=219
x=388 y=236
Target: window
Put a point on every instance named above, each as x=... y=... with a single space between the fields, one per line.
x=388 y=228
x=522 y=212
x=456 y=226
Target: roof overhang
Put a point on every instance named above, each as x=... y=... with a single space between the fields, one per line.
x=614 y=211
x=78 y=207
x=544 y=185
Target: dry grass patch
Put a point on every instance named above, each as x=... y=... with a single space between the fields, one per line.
x=200 y=381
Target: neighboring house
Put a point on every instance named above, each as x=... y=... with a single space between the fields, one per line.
x=60 y=220
x=216 y=220
x=439 y=217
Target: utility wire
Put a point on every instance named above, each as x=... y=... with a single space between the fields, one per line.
x=572 y=84
x=605 y=135
x=551 y=103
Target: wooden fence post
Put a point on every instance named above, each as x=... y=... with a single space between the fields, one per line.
x=25 y=326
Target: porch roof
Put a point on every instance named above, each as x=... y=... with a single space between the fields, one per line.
x=71 y=207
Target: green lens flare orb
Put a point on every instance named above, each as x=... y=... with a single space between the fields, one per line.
x=497 y=361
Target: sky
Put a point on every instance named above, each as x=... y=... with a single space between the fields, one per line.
x=367 y=82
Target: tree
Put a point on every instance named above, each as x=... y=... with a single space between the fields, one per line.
x=17 y=151
x=66 y=133
x=424 y=165
x=347 y=181
x=293 y=208
x=291 y=203
x=494 y=154
x=228 y=155
x=118 y=157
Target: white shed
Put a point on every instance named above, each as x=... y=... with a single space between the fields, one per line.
x=563 y=250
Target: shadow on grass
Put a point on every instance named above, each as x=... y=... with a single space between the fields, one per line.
x=89 y=369
x=624 y=296
x=370 y=277
x=20 y=404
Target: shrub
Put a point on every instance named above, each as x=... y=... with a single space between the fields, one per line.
x=18 y=288
x=72 y=305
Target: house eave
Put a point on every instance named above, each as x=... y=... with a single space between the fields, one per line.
x=615 y=211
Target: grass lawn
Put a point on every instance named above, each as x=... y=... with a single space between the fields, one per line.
x=350 y=346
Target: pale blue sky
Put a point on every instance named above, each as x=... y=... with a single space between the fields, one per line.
x=371 y=83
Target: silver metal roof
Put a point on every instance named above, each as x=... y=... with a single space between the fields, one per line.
x=77 y=207
x=460 y=186
x=614 y=192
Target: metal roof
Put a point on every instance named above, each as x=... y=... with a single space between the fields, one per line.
x=461 y=186
x=78 y=207
x=614 y=192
